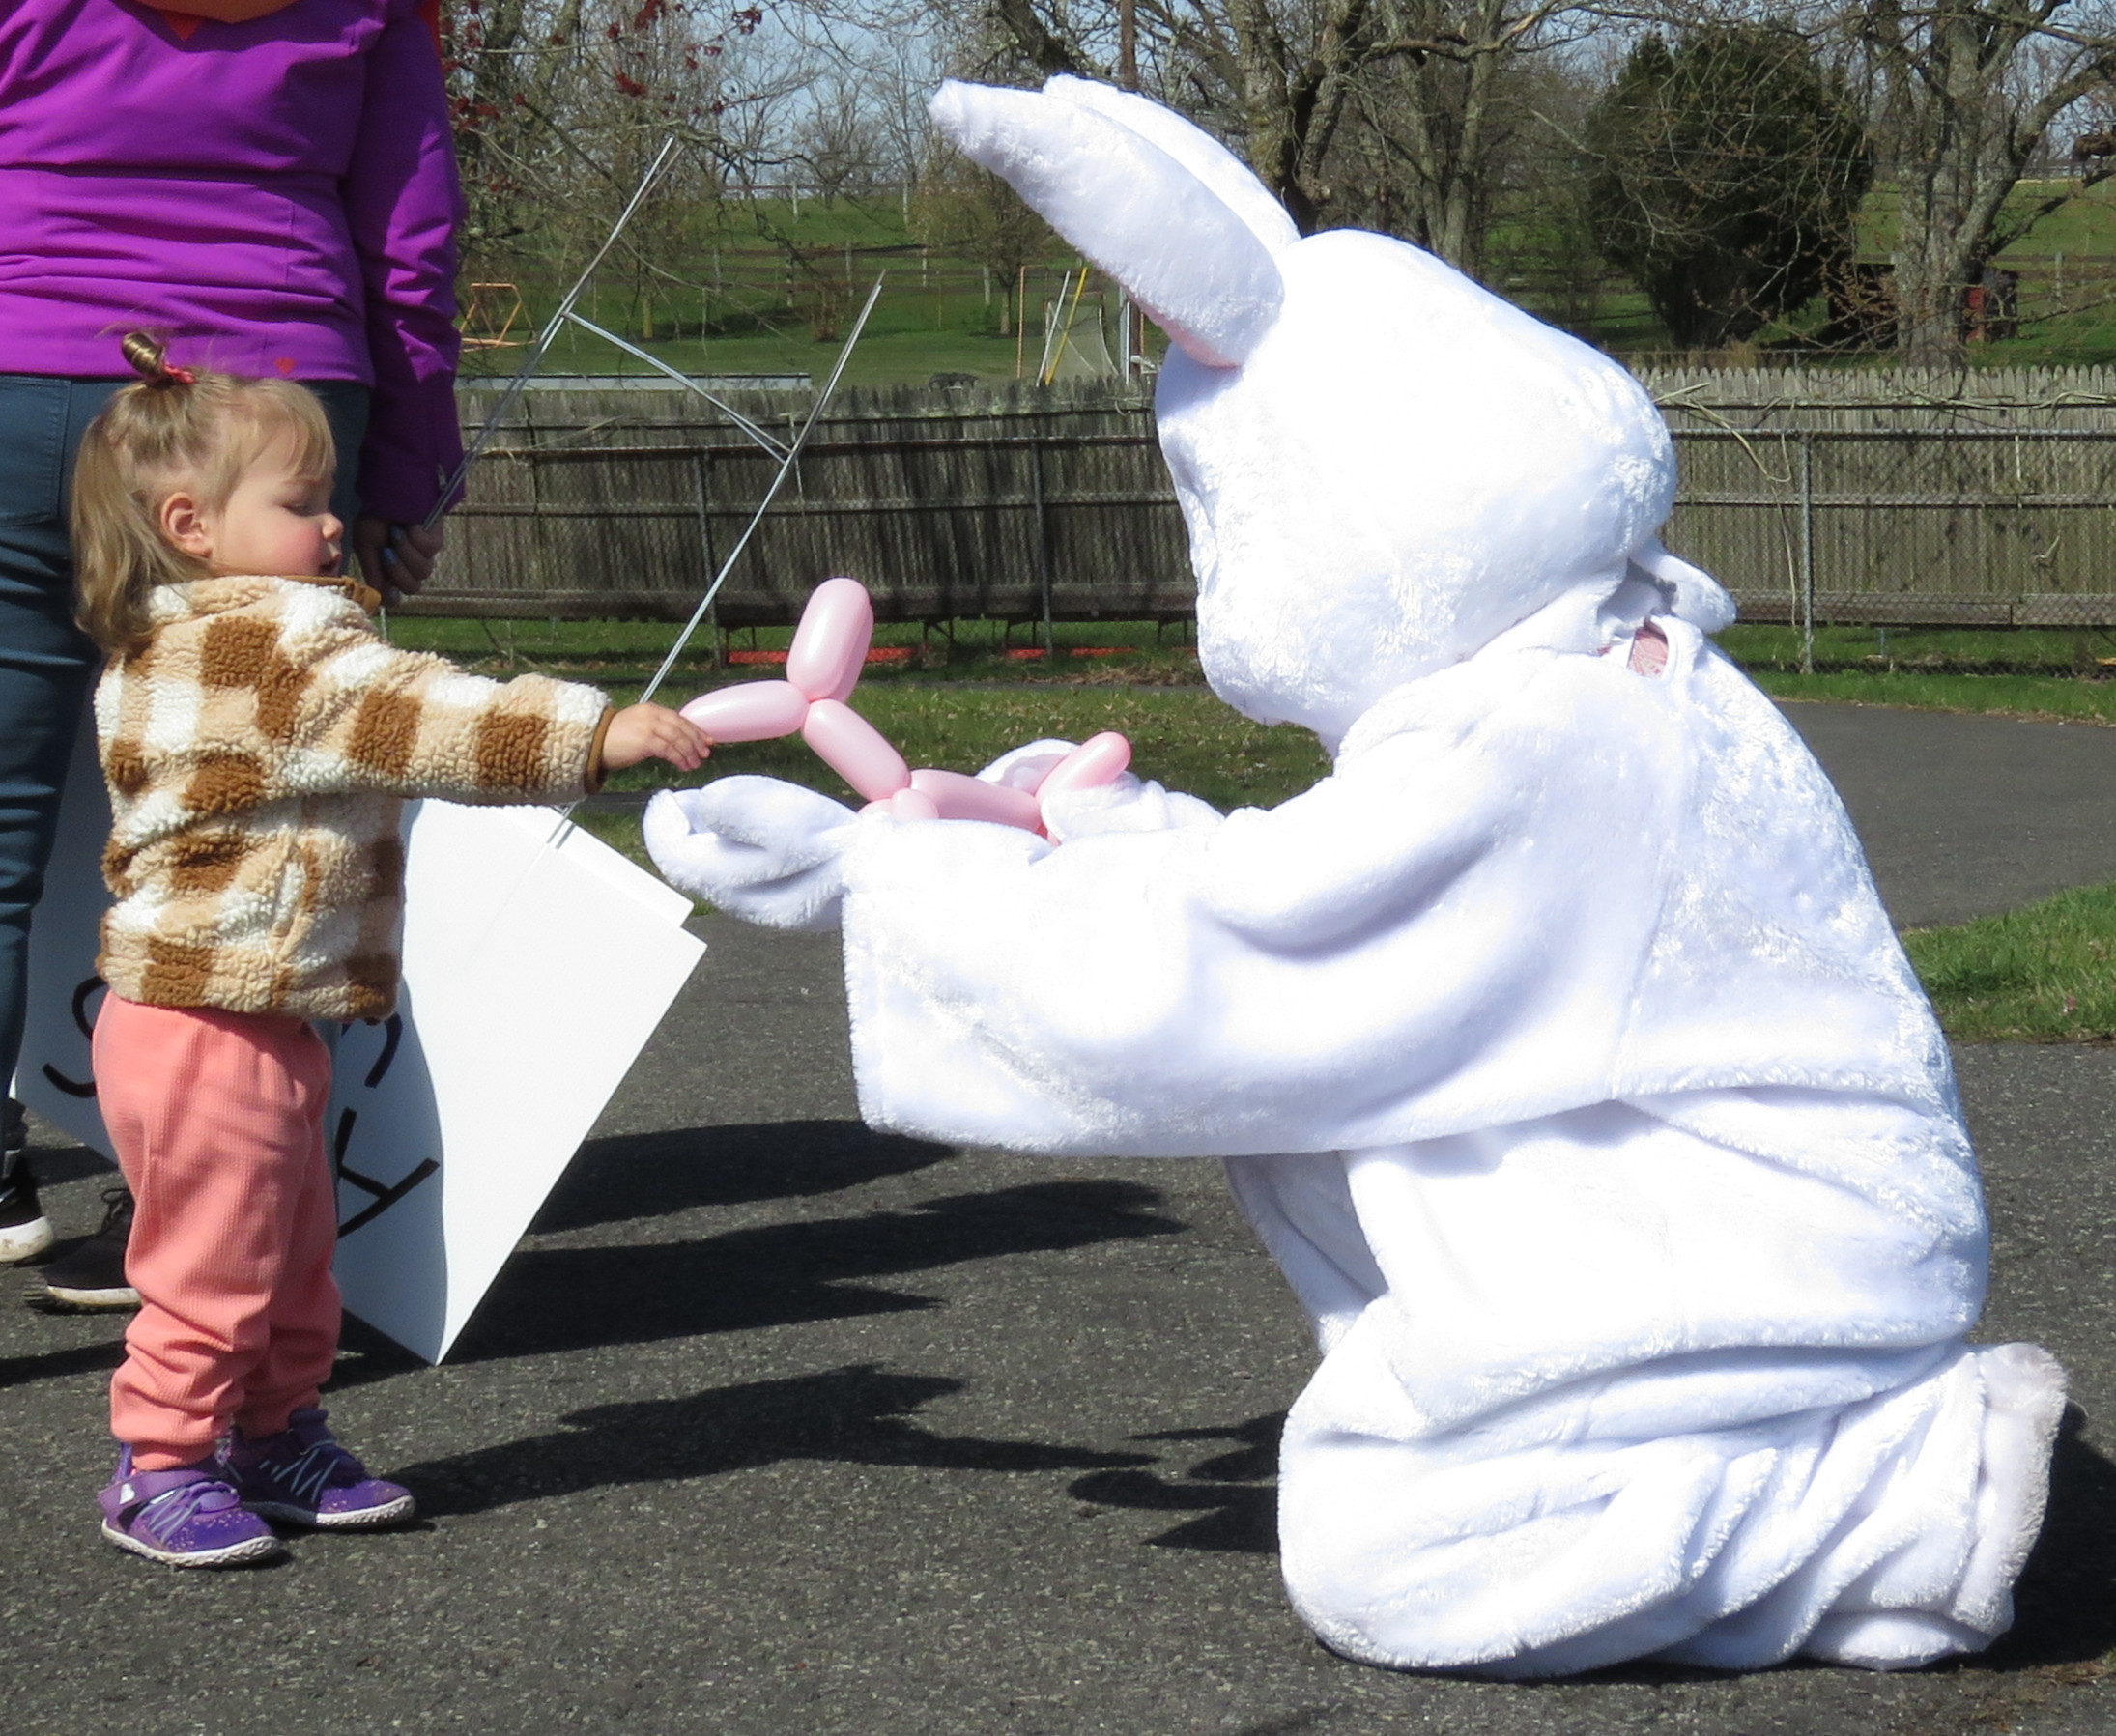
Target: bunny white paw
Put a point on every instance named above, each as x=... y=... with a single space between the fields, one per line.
x=1028 y=765
x=1128 y=804
x=758 y=849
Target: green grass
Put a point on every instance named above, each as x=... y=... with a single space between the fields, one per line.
x=2046 y=699
x=1137 y=652
x=1928 y=650
x=905 y=356
x=2042 y=974
x=2049 y=674
x=1181 y=737
x=2022 y=673
x=939 y=314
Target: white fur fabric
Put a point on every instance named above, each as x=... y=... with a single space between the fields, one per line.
x=758 y=849
x=1566 y=1060
x=1189 y=259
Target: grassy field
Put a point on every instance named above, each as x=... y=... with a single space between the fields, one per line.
x=731 y=301
x=743 y=309
x=2066 y=265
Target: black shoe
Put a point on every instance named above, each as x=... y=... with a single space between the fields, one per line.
x=25 y=1231
x=90 y=1275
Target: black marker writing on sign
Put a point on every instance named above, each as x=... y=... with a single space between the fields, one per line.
x=381 y=1195
x=85 y=1022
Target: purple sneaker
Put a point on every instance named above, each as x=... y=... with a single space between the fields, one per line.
x=303 y=1476
x=189 y=1517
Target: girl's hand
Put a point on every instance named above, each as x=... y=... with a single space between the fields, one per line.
x=654 y=732
x=395 y=560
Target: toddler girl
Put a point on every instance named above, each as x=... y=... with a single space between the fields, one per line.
x=259 y=738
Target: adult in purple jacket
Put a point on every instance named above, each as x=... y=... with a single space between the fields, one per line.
x=268 y=186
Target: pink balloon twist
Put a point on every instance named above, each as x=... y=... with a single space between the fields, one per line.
x=822 y=668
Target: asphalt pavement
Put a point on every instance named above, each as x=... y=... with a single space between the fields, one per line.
x=777 y=1425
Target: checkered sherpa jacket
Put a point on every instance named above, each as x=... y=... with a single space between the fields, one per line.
x=258 y=750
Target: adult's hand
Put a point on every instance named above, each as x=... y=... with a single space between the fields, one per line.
x=395 y=560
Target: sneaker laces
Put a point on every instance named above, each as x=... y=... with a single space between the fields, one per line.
x=314 y=1469
x=174 y=1508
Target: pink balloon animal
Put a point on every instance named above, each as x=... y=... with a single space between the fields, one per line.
x=824 y=667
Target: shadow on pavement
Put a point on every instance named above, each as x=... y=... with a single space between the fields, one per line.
x=648 y=1175
x=56 y=1365
x=2065 y=1601
x=552 y=1300
x=2064 y=1604
x=1233 y=1494
x=53 y=1166
x=858 y=1415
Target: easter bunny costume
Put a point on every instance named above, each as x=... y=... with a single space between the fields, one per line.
x=1557 y=1044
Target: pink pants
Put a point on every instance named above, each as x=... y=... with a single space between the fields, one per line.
x=218 y=1123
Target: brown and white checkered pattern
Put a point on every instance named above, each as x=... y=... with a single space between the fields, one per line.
x=258 y=751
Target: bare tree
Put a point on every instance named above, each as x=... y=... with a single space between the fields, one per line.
x=1964 y=92
x=1438 y=129
x=1283 y=79
x=560 y=103
x=966 y=210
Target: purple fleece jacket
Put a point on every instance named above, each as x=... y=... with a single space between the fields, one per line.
x=276 y=197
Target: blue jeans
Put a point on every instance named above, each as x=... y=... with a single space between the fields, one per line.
x=46 y=663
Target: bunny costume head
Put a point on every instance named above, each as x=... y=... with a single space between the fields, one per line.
x=1383 y=465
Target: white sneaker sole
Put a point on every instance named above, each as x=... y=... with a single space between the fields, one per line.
x=256 y=1549
x=24 y=1241
x=84 y=1301
x=368 y=1518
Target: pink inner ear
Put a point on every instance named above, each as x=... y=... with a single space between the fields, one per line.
x=1189 y=342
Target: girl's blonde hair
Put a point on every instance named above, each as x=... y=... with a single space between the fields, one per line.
x=173 y=428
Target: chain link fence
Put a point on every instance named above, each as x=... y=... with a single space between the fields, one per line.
x=1985 y=500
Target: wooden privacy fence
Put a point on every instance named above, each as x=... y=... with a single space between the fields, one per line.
x=1837 y=496
x=1048 y=503
x=1986 y=499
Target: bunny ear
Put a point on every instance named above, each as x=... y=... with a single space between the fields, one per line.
x=1197 y=150
x=1196 y=267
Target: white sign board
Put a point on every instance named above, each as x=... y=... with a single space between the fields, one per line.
x=537 y=963
x=53 y=1077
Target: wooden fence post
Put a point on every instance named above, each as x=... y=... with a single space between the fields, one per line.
x=698 y=461
x=1807 y=553
x=1043 y=546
